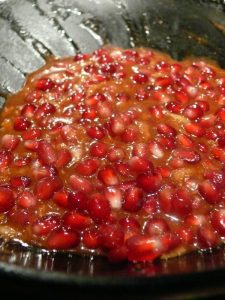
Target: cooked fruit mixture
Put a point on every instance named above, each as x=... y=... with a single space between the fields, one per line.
x=121 y=152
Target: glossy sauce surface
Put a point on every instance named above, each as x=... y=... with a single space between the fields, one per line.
x=119 y=152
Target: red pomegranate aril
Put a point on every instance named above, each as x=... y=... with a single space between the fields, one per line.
x=181 y=202
x=210 y=192
x=204 y=105
x=189 y=156
x=5 y=158
x=118 y=254
x=221 y=114
x=156 y=111
x=87 y=167
x=20 y=181
x=130 y=223
x=44 y=84
x=114 y=195
x=130 y=134
x=207 y=237
x=76 y=221
x=144 y=248
x=116 y=154
x=133 y=199
x=91 y=238
x=150 y=204
x=108 y=69
x=7 y=199
x=46 y=153
x=193 y=112
x=123 y=169
x=140 y=164
x=44 y=225
x=26 y=199
x=80 y=184
x=108 y=176
x=149 y=183
x=62 y=239
x=166 y=130
x=99 y=208
x=44 y=110
x=96 y=132
x=218 y=221
x=98 y=149
x=61 y=199
x=111 y=236
x=28 y=110
x=117 y=125
x=185 y=235
x=63 y=158
x=9 y=141
x=156 y=227
x=221 y=142
x=195 y=129
x=33 y=96
x=22 y=161
x=140 y=78
x=218 y=153
x=46 y=187
x=76 y=201
x=140 y=150
x=32 y=134
x=217 y=177
x=21 y=124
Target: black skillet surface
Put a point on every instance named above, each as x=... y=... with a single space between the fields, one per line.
x=31 y=30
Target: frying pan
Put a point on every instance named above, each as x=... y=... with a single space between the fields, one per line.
x=32 y=30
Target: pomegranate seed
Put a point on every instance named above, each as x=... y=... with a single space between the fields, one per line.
x=156 y=111
x=7 y=200
x=108 y=176
x=87 y=167
x=28 y=110
x=20 y=181
x=33 y=96
x=63 y=158
x=118 y=254
x=44 y=225
x=61 y=198
x=218 y=221
x=21 y=124
x=80 y=184
x=91 y=238
x=143 y=248
x=76 y=221
x=140 y=150
x=99 y=208
x=108 y=69
x=209 y=192
x=5 y=158
x=44 y=84
x=46 y=187
x=185 y=141
x=116 y=154
x=174 y=107
x=32 y=134
x=117 y=125
x=218 y=153
x=195 y=129
x=221 y=142
x=130 y=134
x=123 y=169
x=166 y=130
x=114 y=196
x=98 y=149
x=181 y=202
x=156 y=150
x=196 y=220
x=23 y=161
x=207 y=237
x=140 y=78
x=181 y=97
x=80 y=56
x=77 y=200
x=62 y=239
x=130 y=223
x=140 y=164
x=150 y=204
x=217 y=178
x=203 y=104
x=221 y=114
x=96 y=132
x=132 y=199
x=193 y=112
x=189 y=156
x=46 y=153
x=185 y=235
x=112 y=236
x=20 y=218
x=156 y=227
x=9 y=142
x=26 y=199
x=44 y=110
x=149 y=183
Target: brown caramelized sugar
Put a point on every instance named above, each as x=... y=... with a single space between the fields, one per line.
x=120 y=152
